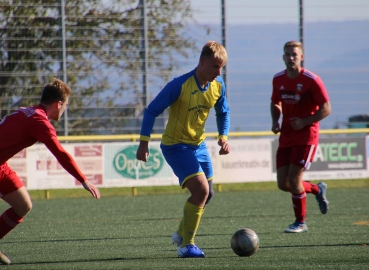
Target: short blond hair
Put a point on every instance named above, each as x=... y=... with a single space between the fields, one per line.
x=294 y=44
x=55 y=91
x=214 y=49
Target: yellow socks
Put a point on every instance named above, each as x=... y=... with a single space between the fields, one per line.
x=189 y=223
x=180 y=228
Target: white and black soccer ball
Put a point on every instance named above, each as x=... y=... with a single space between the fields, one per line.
x=245 y=242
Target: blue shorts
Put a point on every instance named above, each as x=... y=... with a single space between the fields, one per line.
x=187 y=160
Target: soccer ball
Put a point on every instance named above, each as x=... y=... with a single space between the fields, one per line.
x=245 y=242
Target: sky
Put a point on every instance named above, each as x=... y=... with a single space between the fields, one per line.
x=336 y=46
x=281 y=11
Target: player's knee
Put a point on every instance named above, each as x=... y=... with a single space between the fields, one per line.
x=283 y=187
x=211 y=194
x=24 y=209
x=28 y=208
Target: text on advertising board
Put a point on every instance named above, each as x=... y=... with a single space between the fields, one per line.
x=126 y=164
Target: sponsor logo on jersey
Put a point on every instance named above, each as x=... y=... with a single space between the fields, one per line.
x=198 y=107
x=299 y=87
x=290 y=98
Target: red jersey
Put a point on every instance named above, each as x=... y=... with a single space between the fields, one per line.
x=27 y=126
x=22 y=129
x=300 y=97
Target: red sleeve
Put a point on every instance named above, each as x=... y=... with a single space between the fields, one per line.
x=42 y=130
x=320 y=94
x=64 y=159
x=275 y=96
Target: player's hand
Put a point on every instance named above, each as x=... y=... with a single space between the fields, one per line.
x=224 y=147
x=143 y=151
x=276 y=128
x=296 y=123
x=92 y=189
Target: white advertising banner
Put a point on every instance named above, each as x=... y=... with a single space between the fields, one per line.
x=18 y=163
x=248 y=161
x=115 y=164
x=45 y=172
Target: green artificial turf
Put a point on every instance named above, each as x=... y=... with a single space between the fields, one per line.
x=259 y=186
x=134 y=232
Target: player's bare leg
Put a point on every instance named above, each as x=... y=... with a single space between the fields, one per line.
x=20 y=201
x=21 y=204
x=199 y=189
x=295 y=175
x=282 y=179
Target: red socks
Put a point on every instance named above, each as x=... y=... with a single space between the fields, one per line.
x=299 y=206
x=299 y=200
x=8 y=220
x=310 y=188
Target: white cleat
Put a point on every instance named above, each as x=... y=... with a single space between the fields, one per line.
x=297 y=227
x=176 y=239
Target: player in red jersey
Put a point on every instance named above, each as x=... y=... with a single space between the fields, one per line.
x=22 y=129
x=300 y=96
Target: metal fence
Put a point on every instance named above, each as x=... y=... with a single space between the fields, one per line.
x=117 y=55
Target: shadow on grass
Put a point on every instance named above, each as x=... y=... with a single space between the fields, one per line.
x=105 y=238
x=84 y=261
x=168 y=236
x=305 y=246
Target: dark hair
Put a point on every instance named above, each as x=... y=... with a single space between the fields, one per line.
x=55 y=91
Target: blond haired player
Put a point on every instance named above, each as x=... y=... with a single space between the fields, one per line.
x=190 y=98
x=300 y=96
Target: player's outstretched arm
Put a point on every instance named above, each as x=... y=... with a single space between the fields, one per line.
x=70 y=166
x=92 y=189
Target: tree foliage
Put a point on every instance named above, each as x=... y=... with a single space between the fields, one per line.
x=101 y=37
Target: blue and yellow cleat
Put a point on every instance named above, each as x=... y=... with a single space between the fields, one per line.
x=190 y=251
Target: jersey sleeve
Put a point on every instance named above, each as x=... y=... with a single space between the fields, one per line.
x=222 y=114
x=162 y=101
x=320 y=93
x=65 y=160
x=275 y=96
x=41 y=129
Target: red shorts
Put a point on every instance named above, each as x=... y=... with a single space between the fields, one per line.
x=299 y=155
x=9 y=180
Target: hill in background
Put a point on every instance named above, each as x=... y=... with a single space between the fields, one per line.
x=337 y=51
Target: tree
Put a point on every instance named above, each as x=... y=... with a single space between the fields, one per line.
x=101 y=37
